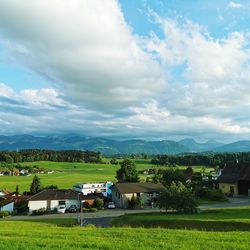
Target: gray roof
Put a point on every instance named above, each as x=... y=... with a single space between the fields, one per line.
x=147 y=187
x=234 y=172
x=55 y=194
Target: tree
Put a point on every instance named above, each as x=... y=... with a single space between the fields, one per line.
x=167 y=176
x=113 y=161
x=177 y=197
x=127 y=172
x=98 y=203
x=17 y=190
x=35 y=186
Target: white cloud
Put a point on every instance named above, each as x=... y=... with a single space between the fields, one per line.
x=5 y=91
x=104 y=81
x=84 y=47
x=235 y=5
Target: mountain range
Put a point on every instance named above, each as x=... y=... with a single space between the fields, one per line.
x=110 y=146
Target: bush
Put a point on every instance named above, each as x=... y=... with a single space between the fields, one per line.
x=217 y=195
x=211 y=194
x=98 y=203
x=40 y=211
x=85 y=210
x=4 y=214
x=93 y=209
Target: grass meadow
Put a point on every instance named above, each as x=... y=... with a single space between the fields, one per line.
x=229 y=219
x=28 y=235
x=67 y=174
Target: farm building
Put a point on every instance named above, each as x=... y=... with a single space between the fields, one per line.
x=123 y=192
x=50 y=199
x=235 y=178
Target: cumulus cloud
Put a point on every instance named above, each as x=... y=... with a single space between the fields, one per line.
x=216 y=71
x=106 y=80
x=83 y=47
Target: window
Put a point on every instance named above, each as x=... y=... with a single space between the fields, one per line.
x=62 y=203
x=138 y=194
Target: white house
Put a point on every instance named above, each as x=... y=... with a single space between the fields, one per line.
x=50 y=199
x=6 y=205
x=94 y=187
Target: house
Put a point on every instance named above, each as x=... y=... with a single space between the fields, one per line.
x=123 y=192
x=235 y=178
x=6 y=204
x=50 y=199
x=94 y=187
x=5 y=192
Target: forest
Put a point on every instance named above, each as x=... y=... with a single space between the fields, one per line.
x=209 y=159
x=31 y=155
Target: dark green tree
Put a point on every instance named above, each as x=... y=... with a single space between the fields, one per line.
x=177 y=197
x=35 y=186
x=127 y=172
x=17 y=190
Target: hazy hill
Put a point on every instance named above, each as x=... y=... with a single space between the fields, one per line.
x=109 y=146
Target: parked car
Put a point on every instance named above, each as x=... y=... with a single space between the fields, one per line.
x=61 y=209
x=72 y=209
x=111 y=205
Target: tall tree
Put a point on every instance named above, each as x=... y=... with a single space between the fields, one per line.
x=35 y=186
x=127 y=172
x=17 y=190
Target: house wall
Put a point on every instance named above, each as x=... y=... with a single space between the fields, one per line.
x=35 y=205
x=9 y=207
x=121 y=200
x=226 y=188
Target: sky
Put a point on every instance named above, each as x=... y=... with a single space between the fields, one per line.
x=162 y=69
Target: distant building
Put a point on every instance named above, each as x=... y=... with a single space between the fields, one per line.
x=94 y=187
x=123 y=192
x=235 y=178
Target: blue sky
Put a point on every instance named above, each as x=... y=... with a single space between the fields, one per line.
x=126 y=69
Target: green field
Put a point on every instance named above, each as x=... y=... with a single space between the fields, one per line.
x=39 y=235
x=235 y=219
x=67 y=174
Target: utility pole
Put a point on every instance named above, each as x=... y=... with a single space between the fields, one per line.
x=81 y=217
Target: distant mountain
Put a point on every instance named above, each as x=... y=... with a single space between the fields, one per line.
x=239 y=146
x=78 y=142
x=200 y=147
x=110 y=147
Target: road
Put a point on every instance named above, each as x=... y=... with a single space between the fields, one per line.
x=105 y=217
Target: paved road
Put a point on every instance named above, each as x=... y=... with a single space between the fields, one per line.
x=101 y=214
x=105 y=217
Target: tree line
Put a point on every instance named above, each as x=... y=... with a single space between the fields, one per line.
x=209 y=159
x=31 y=155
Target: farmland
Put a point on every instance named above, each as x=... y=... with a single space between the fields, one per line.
x=66 y=174
x=17 y=235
